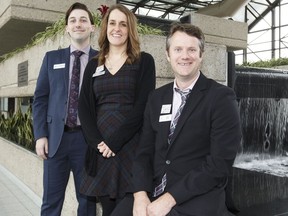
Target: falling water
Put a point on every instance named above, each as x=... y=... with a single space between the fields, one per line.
x=263 y=103
x=261 y=167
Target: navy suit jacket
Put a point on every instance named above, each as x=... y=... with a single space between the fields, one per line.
x=51 y=97
x=202 y=151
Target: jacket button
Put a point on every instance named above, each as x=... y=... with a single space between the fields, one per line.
x=168 y=162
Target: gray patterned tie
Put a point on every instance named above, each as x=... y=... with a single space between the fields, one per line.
x=74 y=91
x=184 y=96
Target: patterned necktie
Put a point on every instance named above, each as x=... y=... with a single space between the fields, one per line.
x=184 y=96
x=74 y=91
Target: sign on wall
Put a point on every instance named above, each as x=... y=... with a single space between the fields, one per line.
x=23 y=74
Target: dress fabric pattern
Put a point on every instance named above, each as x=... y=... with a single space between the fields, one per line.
x=115 y=96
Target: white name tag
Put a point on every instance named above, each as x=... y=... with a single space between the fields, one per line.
x=59 y=66
x=166 y=108
x=99 y=71
x=165 y=118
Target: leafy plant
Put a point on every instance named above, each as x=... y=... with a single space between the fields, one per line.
x=268 y=64
x=145 y=30
x=18 y=128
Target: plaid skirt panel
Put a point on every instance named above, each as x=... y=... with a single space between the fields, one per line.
x=113 y=177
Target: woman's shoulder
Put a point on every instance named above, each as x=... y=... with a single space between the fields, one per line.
x=146 y=58
x=145 y=55
x=92 y=63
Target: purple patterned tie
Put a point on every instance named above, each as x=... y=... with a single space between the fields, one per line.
x=184 y=96
x=74 y=91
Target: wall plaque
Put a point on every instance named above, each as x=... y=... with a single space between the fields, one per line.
x=23 y=74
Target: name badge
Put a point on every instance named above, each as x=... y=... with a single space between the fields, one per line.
x=99 y=71
x=59 y=66
x=166 y=108
x=165 y=118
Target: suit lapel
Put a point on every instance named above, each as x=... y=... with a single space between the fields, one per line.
x=195 y=97
x=65 y=55
x=166 y=99
x=92 y=53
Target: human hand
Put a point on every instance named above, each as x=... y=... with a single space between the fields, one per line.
x=141 y=201
x=42 y=147
x=161 y=206
x=105 y=150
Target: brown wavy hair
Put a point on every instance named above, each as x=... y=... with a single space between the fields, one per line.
x=133 y=42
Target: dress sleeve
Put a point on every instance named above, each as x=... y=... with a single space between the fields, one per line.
x=87 y=107
x=145 y=84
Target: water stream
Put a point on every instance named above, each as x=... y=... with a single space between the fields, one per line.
x=261 y=166
x=263 y=103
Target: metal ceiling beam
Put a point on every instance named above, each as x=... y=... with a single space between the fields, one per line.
x=264 y=13
x=225 y=8
x=140 y=4
x=184 y=4
x=188 y=4
x=173 y=8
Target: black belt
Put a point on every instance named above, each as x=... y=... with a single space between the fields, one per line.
x=72 y=129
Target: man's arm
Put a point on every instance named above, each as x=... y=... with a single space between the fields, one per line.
x=162 y=205
x=42 y=147
x=143 y=164
x=141 y=201
x=40 y=103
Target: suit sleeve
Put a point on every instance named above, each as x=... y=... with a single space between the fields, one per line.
x=40 y=102
x=225 y=135
x=133 y=123
x=142 y=167
x=87 y=108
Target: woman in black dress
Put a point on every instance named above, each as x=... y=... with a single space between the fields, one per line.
x=114 y=92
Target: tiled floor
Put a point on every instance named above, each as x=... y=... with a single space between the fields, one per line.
x=16 y=199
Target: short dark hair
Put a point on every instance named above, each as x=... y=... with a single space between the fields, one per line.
x=189 y=29
x=80 y=6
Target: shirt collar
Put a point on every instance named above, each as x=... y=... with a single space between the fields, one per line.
x=189 y=88
x=85 y=50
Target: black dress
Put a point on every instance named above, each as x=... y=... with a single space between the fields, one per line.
x=117 y=119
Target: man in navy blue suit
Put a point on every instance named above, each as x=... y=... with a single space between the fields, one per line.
x=61 y=145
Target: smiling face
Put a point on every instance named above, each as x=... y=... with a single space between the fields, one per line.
x=117 y=28
x=184 y=56
x=79 y=27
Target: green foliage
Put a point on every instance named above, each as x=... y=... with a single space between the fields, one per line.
x=146 y=30
x=50 y=32
x=59 y=27
x=18 y=128
x=268 y=64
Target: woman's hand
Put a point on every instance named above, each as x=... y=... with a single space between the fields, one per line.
x=105 y=150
